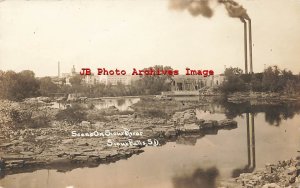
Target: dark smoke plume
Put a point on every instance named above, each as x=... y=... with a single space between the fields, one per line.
x=234 y=9
x=195 y=7
x=202 y=7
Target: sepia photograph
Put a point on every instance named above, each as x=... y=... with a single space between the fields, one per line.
x=149 y=93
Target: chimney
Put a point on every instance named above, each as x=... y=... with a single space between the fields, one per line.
x=250 y=45
x=245 y=45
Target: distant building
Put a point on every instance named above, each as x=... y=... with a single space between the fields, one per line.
x=99 y=79
x=218 y=79
x=195 y=82
x=57 y=80
x=123 y=79
x=89 y=79
x=67 y=76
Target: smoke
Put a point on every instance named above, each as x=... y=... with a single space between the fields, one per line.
x=202 y=7
x=195 y=7
x=234 y=9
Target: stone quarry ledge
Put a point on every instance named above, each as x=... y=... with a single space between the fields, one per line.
x=26 y=150
x=283 y=174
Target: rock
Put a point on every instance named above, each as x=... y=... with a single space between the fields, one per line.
x=227 y=123
x=80 y=158
x=67 y=141
x=88 y=150
x=270 y=168
x=85 y=123
x=1 y=164
x=26 y=153
x=190 y=128
x=82 y=143
x=94 y=159
x=189 y=117
x=74 y=154
x=292 y=179
x=112 y=109
x=99 y=125
x=44 y=99
x=171 y=132
x=15 y=157
x=208 y=124
x=41 y=138
x=14 y=164
x=298 y=170
x=271 y=185
x=292 y=171
x=200 y=121
x=4 y=145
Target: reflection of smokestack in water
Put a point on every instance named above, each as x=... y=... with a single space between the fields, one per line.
x=253 y=140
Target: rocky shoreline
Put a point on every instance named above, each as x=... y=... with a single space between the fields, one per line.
x=55 y=147
x=283 y=174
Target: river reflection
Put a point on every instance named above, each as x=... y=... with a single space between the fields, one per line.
x=121 y=104
x=274 y=114
x=199 y=178
x=250 y=147
x=188 y=161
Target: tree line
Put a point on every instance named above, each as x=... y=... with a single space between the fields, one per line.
x=24 y=84
x=273 y=79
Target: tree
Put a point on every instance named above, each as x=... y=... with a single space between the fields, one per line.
x=155 y=84
x=76 y=83
x=233 y=81
x=47 y=86
x=271 y=78
x=17 y=86
x=76 y=80
x=28 y=85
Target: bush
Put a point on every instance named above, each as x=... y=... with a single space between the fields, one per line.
x=38 y=122
x=154 y=113
x=73 y=114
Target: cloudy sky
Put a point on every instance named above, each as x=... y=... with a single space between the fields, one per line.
x=128 y=34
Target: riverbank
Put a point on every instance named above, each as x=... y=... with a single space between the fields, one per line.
x=65 y=146
x=282 y=174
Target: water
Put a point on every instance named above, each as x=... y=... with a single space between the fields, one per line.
x=121 y=104
x=189 y=162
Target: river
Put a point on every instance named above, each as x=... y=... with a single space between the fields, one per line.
x=190 y=161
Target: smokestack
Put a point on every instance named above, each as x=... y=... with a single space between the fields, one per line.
x=58 y=69
x=245 y=45
x=237 y=11
x=250 y=46
x=234 y=10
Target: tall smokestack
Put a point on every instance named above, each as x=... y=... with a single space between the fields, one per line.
x=234 y=10
x=237 y=11
x=250 y=45
x=245 y=45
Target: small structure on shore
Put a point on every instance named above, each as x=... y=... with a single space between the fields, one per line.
x=190 y=85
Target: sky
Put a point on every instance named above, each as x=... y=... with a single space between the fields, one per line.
x=126 y=34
